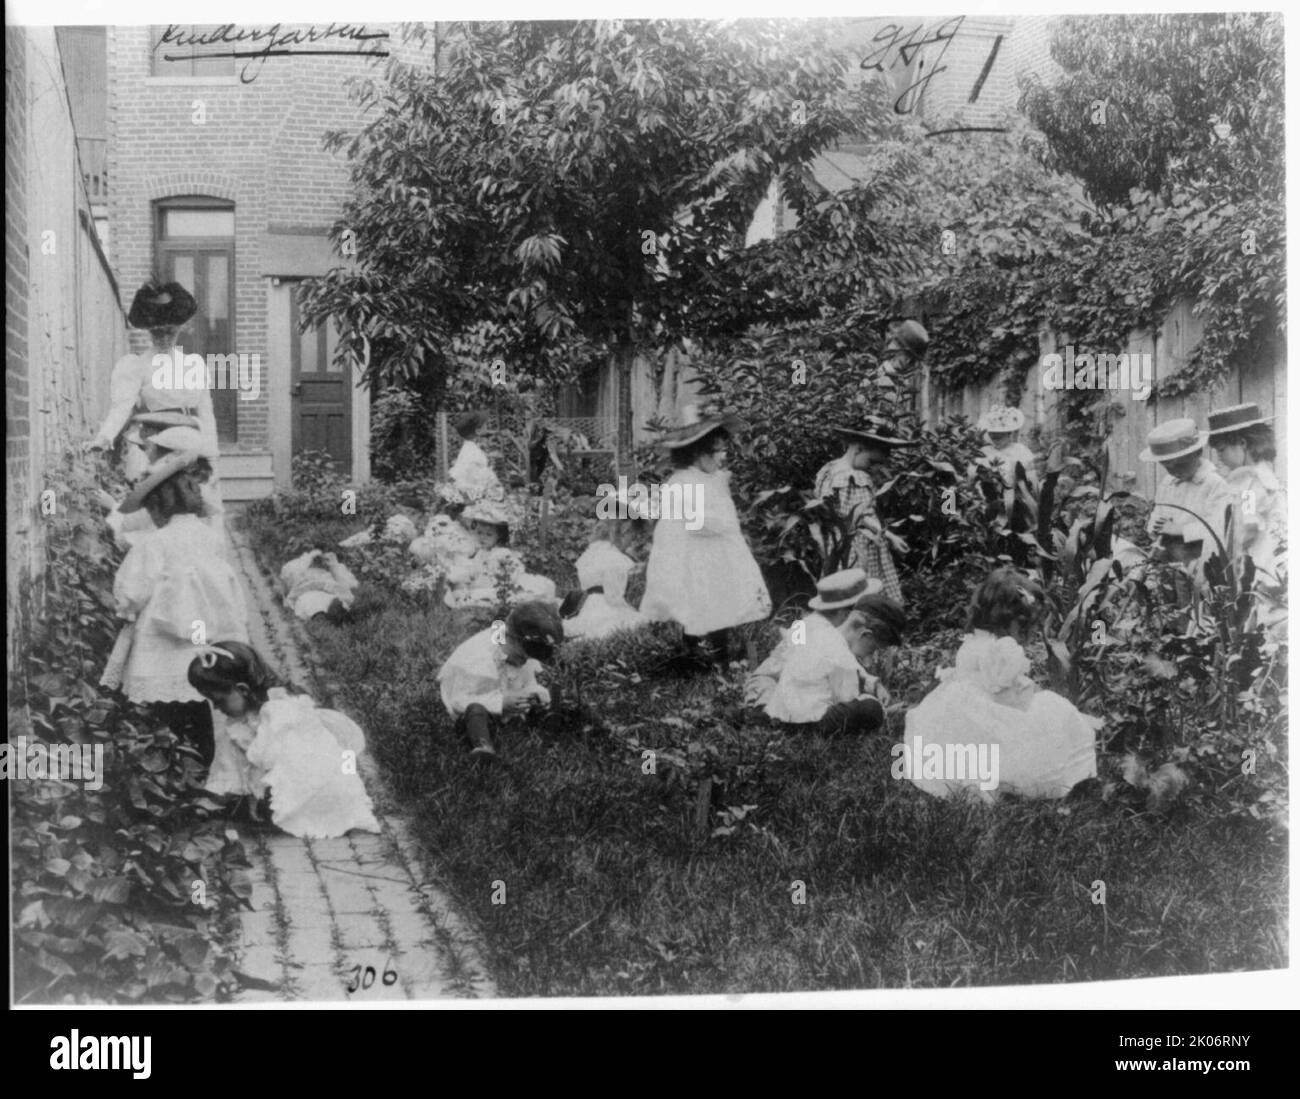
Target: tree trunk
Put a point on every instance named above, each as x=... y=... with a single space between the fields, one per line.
x=625 y=357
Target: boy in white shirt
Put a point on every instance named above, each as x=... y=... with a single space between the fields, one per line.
x=492 y=676
x=820 y=685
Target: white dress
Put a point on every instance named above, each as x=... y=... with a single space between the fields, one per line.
x=1045 y=745
x=306 y=756
x=179 y=590
x=311 y=589
x=705 y=578
x=472 y=473
x=1259 y=511
x=475 y=581
x=602 y=565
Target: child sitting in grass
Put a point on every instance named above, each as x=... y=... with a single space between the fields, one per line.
x=819 y=686
x=1044 y=746
x=599 y=606
x=492 y=677
x=282 y=743
x=478 y=580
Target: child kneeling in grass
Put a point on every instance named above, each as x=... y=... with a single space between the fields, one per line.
x=304 y=755
x=986 y=707
x=492 y=676
x=819 y=686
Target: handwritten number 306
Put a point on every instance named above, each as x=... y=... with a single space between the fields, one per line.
x=365 y=978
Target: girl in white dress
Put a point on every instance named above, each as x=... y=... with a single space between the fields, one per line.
x=1042 y=745
x=477 y=580
x=282 y=743
x=701 y=572
x=175 y=589
x=604 y=569
x=1243 y=443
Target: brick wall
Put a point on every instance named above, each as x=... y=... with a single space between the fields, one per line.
x=259 y=146
x=64 y=325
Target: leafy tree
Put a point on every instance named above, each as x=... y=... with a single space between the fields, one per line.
x=558 y=192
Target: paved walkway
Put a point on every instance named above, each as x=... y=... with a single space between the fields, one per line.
x=355 y=918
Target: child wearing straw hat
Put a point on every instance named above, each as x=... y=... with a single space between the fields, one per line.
x=474 y=581
x=701 y=572
x=847 y=480
x=1191 y=498
x=176 y=590
x=1005 y=451
x=1243 y=443
x=820 y=686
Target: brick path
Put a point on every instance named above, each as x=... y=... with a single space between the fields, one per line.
x=323 y=908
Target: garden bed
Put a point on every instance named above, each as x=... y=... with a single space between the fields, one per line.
x=749 y=861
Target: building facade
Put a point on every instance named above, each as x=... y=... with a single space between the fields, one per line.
x=219 y=180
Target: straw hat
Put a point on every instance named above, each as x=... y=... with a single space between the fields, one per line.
x=843 y=589
x=1174 y=439
x=1002 y=418
x=1224 y=421
x=859 y=435
x=183 y=438
x=162 y=470
x=693 y=428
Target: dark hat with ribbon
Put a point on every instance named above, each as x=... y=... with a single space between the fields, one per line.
x=694 y=428
x=1238 y=417
x=161 y=305
x=538 y=629
x=467 y=423
x=885 y=618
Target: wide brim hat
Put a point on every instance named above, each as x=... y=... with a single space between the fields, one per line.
x=862 y=435
x=182 y=438
x=168 y=305
x=843 y=589
x=1002 y=418
x=486 y=511
x=1174 y=439
x=146 y=424
x=538 y=628
x=693 y=428
x=1226 y=421
x=155 y=475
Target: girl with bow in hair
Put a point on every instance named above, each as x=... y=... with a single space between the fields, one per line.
x=284 y=745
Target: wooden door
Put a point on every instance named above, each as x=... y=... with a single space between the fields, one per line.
x=320 y=391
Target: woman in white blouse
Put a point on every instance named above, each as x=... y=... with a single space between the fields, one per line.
x=163 y=309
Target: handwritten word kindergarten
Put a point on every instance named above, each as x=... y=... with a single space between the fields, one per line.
x=274 y=42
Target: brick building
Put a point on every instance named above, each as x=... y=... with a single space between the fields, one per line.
x=64 y=325
x=219 y=180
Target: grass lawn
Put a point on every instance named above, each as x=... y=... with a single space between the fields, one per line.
x=828 y=874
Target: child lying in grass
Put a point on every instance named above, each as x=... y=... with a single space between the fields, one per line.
x=492 y=677
x=1044 y=746
x=282 y=743
x=814 y=679
x=318 y=583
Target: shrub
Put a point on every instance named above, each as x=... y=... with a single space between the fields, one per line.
x=120 y=893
